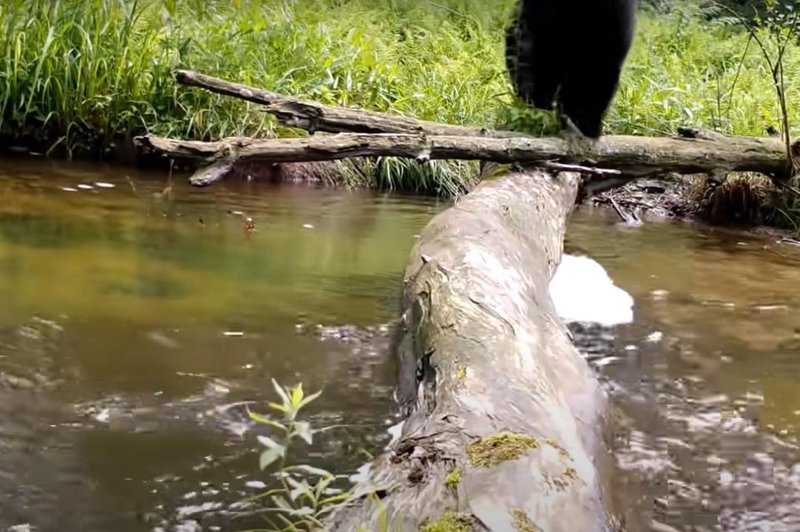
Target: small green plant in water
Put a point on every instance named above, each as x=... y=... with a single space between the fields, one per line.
x=305 y=495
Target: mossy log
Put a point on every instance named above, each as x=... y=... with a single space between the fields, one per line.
x=505 y=416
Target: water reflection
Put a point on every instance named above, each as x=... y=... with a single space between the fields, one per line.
x=134 y=325
x=705 y=376
x=131 y=322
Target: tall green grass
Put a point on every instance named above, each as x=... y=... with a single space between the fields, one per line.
x=81 y=74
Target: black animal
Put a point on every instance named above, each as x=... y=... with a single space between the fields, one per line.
x=571 y=51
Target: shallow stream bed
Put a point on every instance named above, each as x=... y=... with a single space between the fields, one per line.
x=135 y=322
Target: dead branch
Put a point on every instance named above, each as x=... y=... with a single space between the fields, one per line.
x=613 y=161
x=632 y=156
x=314 y=116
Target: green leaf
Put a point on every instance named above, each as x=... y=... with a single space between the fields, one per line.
x=291 y=481
x=268 y=442
x=303 y=511
x=310 y=470
x=334 y=499
x=258 y=418
x=258 y=496
x=297 y=396
x=319 y=487
x=281 y=503
x=291 y=526
x=300 y=488
x=308 y=399
x=281 y=393
x=303 y=429
x=279 y=408
x=269 y=456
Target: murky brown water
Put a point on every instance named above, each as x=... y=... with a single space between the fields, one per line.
x=117 y=361
x=708 y=375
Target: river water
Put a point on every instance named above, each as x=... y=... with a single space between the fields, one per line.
x=137 y=318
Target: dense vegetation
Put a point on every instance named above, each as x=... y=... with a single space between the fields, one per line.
x=79 y=76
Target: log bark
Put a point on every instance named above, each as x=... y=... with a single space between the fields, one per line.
x=503 y=432
x=314 y=116
x=375 y=134
x=633 y=156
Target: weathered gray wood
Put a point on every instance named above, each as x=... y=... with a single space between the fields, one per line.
x=208 y=175
x=422 y=140
x=314 y=116
x=632 y=155
x=494 y=359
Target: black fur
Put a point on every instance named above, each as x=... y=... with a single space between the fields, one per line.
x=572 y=51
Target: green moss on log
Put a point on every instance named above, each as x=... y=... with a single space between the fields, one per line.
x=453 y=478
x=498 y=448
x=448 y=522
x=523 y=523
x=557 y=447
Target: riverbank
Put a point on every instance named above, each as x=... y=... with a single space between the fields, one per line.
x=83 y=78
x=743 y=201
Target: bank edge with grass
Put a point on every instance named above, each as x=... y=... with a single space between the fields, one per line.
x=82 y=79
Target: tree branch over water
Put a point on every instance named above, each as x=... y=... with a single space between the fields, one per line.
x=314 y=116
x=362 y=133
x=632 y=156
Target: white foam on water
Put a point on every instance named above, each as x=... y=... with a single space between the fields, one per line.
x=582 y=291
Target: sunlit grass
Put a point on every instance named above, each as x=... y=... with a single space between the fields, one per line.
x=685 y=71
x=81 y=75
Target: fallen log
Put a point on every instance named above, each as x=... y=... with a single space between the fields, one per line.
x=314 y=116
x=633 y=156
x=503 y=432
x=374 y=134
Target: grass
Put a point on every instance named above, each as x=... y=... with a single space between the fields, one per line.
x=83 y=76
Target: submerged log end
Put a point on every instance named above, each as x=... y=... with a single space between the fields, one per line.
x=189 y=149
x=208 y=175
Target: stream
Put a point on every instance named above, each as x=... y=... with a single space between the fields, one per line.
x=139 y=322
